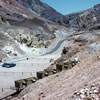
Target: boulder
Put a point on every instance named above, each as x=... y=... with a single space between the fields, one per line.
x=29 y=43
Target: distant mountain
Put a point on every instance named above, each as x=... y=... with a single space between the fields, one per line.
x=73 y=15
x=85 y=20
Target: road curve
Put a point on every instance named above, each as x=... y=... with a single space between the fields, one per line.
x=56 y=48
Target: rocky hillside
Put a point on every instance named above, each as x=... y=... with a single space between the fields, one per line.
x=74 y=14
x=85 y=20
x=28 y=26
x=29 y=9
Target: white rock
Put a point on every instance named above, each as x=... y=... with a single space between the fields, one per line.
x=95 y=91
x=82 y=96
x=82 y=91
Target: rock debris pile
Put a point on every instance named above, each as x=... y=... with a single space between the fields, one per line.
x=92 y=93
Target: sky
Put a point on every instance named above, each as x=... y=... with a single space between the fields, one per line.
x=69 y=6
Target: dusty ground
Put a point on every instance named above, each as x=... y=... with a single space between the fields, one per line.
x=63 y=85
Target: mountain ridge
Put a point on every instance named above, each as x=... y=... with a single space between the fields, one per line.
x=31 y=8
x=85 y=20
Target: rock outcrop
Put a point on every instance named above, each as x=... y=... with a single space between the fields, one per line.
x=3 y=20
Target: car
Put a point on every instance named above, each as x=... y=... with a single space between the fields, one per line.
x=8 y=65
